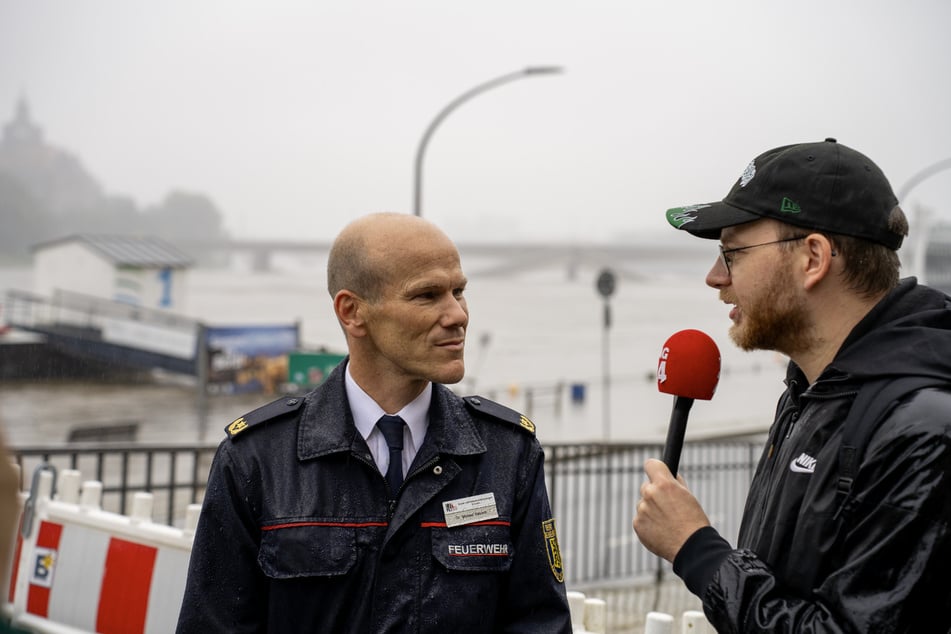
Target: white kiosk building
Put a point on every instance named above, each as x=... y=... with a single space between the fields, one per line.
x=140 y=271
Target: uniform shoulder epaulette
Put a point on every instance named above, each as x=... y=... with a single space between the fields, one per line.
x=274 y=409
x=499 y=411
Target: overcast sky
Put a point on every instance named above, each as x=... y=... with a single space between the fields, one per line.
x=297 y=116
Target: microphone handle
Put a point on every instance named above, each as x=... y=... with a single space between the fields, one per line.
x=676 y=431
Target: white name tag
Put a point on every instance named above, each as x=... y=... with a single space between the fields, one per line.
x=477 y=508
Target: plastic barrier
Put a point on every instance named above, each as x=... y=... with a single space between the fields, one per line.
x=588 y=616
x=81 y=569
x=691 y=622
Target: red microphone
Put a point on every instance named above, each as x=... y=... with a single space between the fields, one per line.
x=689 y=368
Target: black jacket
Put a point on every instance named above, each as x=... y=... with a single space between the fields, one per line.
x=297 y=532
x=881 y=565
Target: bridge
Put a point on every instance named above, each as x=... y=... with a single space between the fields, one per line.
x=630 y=259
x=483 y=258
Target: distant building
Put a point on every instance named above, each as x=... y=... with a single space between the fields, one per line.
x=141 y=271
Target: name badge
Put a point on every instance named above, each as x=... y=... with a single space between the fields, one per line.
x=470 y=510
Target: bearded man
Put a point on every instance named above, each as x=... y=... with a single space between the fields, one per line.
x=837 y=535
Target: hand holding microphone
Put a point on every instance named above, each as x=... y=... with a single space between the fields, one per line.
x=688 y=368
x=667 y=513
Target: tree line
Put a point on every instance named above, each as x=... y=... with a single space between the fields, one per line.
x=27 y=220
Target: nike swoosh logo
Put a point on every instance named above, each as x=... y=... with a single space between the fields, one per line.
x=803 y=464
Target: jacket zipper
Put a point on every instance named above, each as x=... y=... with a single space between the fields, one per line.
x=794 y=412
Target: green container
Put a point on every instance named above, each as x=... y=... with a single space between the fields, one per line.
x=309 y=369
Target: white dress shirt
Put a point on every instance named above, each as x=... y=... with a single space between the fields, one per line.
x=366 y=412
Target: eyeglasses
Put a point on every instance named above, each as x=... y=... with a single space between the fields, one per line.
x=725 y=254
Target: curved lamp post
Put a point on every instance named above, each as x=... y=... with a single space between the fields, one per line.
x=458 y=101
x=921 y=244
x=916 y=179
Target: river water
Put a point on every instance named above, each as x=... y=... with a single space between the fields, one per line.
x=537 y=341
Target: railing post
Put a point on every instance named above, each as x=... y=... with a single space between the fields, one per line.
x=123 y=482
x=172 y=481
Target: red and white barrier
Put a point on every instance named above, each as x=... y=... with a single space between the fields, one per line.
x=81 y=569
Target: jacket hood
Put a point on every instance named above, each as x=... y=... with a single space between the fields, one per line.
x=907 y=333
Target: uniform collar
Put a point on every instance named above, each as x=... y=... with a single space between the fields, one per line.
x=366 y=412
x=327 y=424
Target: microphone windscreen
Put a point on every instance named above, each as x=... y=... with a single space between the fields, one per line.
x=689 y=365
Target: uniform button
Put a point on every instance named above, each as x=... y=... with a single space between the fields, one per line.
x=437 y=470
x=291 y=401
x=475 y=401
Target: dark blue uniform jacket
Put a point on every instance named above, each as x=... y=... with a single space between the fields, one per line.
x=298 y=532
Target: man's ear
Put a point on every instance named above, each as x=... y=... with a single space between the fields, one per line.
x=350 y=309
x=820 y=252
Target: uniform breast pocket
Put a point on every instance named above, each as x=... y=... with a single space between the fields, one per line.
x=290 y=552
x=474 y=548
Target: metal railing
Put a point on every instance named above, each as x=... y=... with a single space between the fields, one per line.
x=174 y=474
x=78 y=309
x=593 y=489
x=114 y=332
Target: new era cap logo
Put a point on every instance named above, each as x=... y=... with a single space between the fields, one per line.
x=803 y=464
x=789 y=207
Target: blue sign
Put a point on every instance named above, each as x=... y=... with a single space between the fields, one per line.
x=249 y=358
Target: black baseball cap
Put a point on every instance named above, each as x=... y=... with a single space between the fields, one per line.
x=822 y=186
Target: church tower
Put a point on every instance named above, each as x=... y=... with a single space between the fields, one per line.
x=22 y=131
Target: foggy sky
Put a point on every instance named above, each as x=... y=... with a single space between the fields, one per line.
x=296 y=116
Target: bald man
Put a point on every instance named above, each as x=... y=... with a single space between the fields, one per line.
x=381 y=501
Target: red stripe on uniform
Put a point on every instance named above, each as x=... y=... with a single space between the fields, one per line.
x=38 y=597
x=373 y=524
x=486 y=523
x=330 y=524
x=124 y=596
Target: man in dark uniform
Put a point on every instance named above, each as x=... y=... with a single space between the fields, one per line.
x=381 y=501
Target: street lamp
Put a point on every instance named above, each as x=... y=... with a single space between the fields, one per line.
x=606 y=284
x=916 y=179
x=531 y=71
x=921 y=242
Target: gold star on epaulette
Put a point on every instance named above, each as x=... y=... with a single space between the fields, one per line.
x=527 y=424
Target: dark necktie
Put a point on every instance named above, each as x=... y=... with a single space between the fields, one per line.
x=392 y=429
